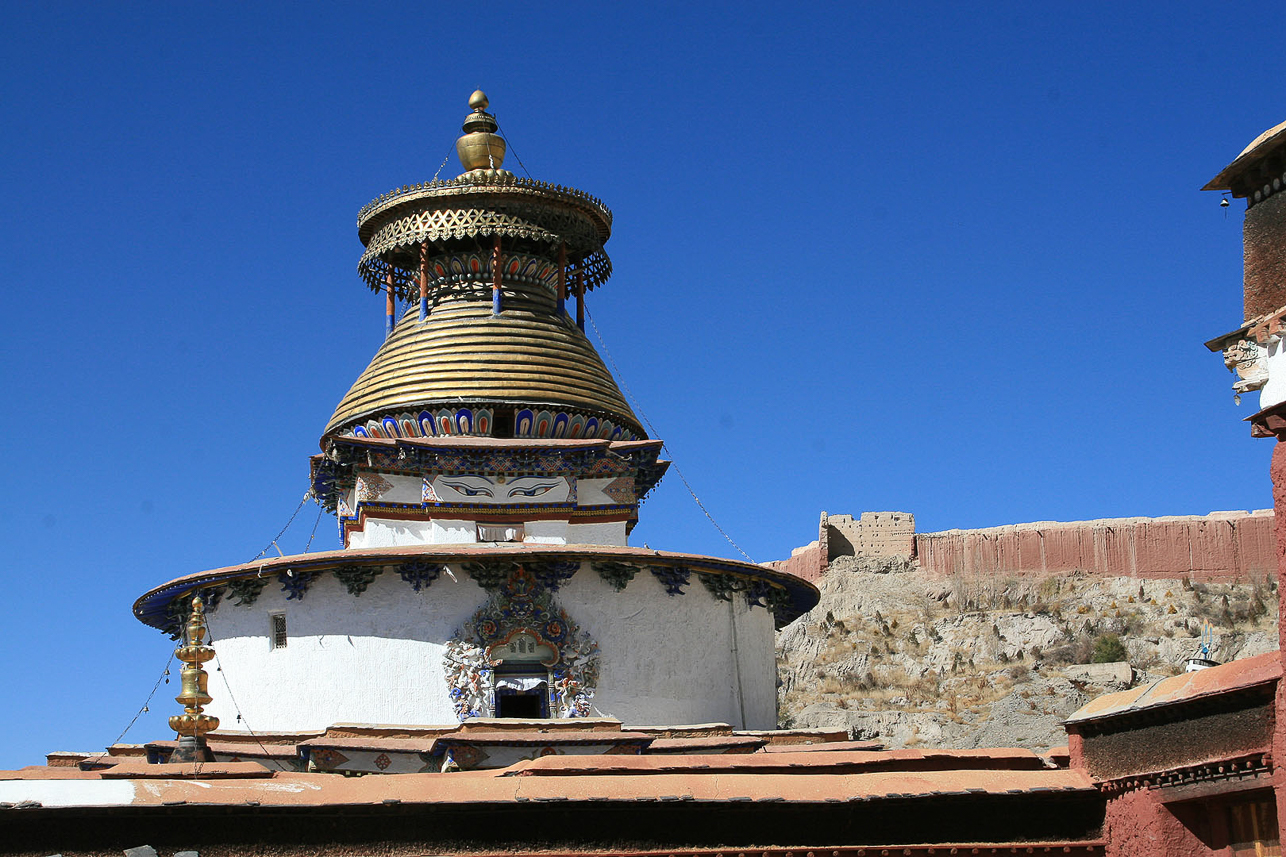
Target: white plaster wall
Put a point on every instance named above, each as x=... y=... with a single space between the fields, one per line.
x=564 y=533
x=669 y=659
x=51 y=793
x=377 y=658
x=383 y=532
x=606 y=533
x=546 y=532
x=1274 y=389
x=373 y=658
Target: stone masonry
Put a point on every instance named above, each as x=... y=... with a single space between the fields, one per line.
x=1221 y=546
x=871 y=534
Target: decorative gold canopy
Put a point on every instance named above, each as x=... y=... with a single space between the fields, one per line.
x=492 y=259
x=463 y=354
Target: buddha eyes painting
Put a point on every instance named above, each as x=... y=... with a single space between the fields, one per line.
x=492 y=490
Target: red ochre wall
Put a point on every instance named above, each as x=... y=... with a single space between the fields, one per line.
x=1277 y=470
x=808 y=563
x=1137 y=824
x=1219 y=546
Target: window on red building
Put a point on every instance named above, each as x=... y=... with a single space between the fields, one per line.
x=1252 y=828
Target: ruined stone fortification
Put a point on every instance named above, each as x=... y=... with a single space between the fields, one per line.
x=870 y=534
x=1221 y=546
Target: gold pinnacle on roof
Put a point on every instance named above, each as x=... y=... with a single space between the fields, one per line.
x=192 y=724
x=494 y=260
x=481 y=148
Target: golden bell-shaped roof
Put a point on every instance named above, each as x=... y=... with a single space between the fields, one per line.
x=463 y=354
x=493 y=260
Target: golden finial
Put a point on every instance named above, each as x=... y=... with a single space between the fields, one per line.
x=481 y=148
x=192 y=725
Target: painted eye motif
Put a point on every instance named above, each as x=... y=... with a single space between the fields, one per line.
x=533 y=490
x=468 y=490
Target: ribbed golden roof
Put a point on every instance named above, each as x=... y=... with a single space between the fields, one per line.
x=463 y=354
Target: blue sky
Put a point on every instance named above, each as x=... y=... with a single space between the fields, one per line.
x=941 y=259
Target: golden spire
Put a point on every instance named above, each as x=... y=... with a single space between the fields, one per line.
x=481 y=148
x=192 y=725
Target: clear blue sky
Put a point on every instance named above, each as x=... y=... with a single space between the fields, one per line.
x=930 y=257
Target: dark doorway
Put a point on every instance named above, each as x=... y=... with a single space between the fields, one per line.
x=520 y=705
x=522 y=690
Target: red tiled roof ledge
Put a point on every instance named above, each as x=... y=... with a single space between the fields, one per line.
x=827 y=747
x=1186 y=687
x=305 y=790
x=257 y=738
x=234 y=748
x=688 y=730
x=1065 y=847
x=544 y=724
x=815 y=763
x=186 y=771
x=374 y=745
x=1059 y=757
x=535 y=737
x=383 y=730
x=743 y=743
x=799 y=736
x=45 y=772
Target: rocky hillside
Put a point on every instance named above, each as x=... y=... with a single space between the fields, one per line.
x=921 y=661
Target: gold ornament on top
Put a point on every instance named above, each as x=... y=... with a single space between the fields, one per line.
x=481 y=148
x=192 y=724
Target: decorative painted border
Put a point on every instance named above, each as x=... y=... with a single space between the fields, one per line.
x=546 y=575
x=333 y=473
x=480 y=422
x=444 y=422
x=529 y=423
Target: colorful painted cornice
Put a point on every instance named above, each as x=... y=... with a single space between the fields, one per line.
x=334 y=472
x=785 y=595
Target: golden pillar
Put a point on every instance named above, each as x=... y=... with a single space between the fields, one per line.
x=192 y=724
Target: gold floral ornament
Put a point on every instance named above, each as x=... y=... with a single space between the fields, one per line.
x=192 y=724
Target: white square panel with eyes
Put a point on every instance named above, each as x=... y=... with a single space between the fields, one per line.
x=499 y=490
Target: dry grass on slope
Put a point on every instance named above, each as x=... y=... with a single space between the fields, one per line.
x=917 y=660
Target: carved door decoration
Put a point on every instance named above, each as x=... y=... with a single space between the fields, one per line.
x=516 y=642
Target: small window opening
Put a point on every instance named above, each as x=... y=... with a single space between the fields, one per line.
x=1252 y=828
x=501 y=532
x=522 y=690
x=279 y=630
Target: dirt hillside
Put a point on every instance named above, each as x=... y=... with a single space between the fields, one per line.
x=920 y=661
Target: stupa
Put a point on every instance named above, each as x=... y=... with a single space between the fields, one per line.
x=486 y=471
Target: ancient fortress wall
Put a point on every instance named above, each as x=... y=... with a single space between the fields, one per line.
x=871 y=534
x=1220 y=546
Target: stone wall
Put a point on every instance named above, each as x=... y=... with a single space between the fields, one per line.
x=871 y=534
x=1221 y=546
